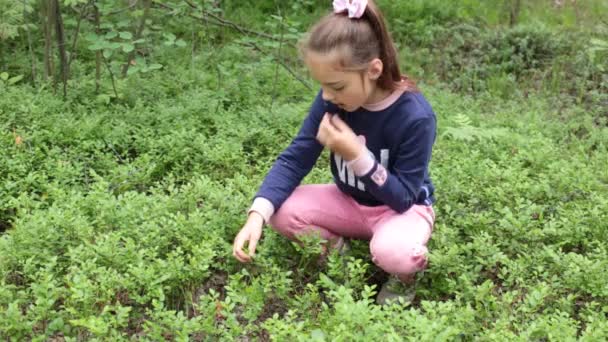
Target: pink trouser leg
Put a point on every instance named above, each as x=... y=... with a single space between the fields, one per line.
x=322 y=208
x=398 y=241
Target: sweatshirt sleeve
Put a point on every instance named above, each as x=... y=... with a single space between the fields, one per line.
x=292 y=165
x=399 y=189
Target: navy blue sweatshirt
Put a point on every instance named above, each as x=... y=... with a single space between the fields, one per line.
x=399 y=139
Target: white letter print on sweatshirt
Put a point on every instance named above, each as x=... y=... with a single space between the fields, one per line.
x=347 y=175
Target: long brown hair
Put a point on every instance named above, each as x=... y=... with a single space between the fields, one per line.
x=358 y=41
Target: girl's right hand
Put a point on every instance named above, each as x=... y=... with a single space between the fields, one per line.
x=251 y=231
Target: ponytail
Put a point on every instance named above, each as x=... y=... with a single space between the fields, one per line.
x=362 y=39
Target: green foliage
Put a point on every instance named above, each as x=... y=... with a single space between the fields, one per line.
x=117 y=214
x=11 y=17
x=8 y=80
x=467 y=132
x=598 y=52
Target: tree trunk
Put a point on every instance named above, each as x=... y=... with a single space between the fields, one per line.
x=29 y=44
x=47 y=14
x=515 y=6
x=63 y=56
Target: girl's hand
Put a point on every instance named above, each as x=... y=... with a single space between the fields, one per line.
x=338 y=137
x=251 y=231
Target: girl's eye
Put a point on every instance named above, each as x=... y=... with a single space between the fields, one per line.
x=339 y=89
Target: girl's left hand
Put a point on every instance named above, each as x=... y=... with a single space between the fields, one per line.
x=338 y=137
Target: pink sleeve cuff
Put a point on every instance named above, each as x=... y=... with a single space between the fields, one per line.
x=363 y=164
x=263 y=207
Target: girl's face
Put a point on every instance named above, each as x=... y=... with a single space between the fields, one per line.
x=348 y=90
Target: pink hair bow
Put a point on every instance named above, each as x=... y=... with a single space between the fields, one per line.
x=355 y=8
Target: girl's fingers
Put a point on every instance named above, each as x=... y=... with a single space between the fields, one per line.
x=252 y=245
x=328 y=124
x=237 y=249
x=338 y=123
x=325 y=123
x=242 y=256
x=323 y=133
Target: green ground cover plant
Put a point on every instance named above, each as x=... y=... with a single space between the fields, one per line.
x=118 y=207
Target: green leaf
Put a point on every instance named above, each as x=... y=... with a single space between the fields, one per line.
x=92 y=37
x=74 y=3
x=126 y=47
x=111 y=35
x=274 y=45
x=133 y=70
x=123 y=23
x=317 y=335
x=125 y=35
x=4 y=76
x=103 y=98
x=107 y=54
x=170 y=36
x=326 y=281
x=57 y=324
x=15 y=79
x=599 y=42
x=180 y=43
x=97 y=46
x=155 y=66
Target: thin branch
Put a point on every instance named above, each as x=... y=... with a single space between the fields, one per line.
x=138 y=34
x=245 y=31
x=75 y=39
x=282 y=63
x=216 y=20
x=276 y=69
x=111 y=75
x=219 y=86
x=191 y=4
x=123 y=9
x=98 y=52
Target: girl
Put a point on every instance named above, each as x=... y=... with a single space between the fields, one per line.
x=380 y=131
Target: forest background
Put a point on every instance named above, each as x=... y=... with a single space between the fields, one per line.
x=135 y=133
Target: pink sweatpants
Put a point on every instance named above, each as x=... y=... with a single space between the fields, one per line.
x=398 y=241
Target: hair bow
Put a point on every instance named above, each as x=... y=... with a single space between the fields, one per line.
x=355 y=8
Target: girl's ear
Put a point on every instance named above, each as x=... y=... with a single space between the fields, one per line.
x=374 y=70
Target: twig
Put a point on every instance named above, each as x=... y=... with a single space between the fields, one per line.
x=75 y=39
x=285 y=66
x=276 y=70
x=220 y=22
x=138 y=34
x=219 y=86
x=111 y=75
x=122 y=9
x=223 y=22
x=98 y=55
x=110 y=145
